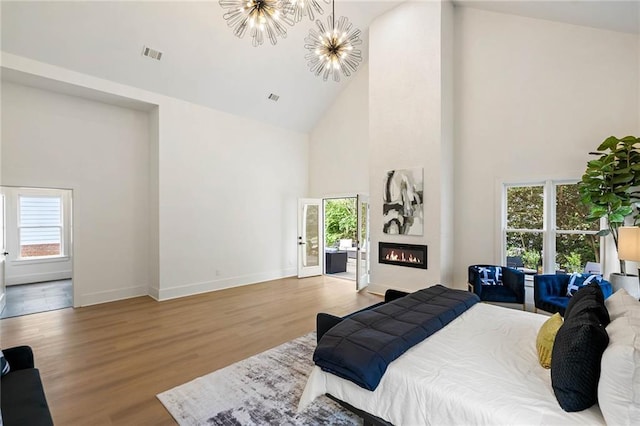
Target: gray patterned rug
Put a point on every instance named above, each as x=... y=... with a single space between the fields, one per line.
x=261 y=390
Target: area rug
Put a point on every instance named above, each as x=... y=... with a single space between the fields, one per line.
x=261 y=390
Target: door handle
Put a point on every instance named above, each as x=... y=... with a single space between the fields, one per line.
x=300 y=243
x=5 y=253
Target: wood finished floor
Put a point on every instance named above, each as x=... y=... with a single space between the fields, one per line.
x=104 y=364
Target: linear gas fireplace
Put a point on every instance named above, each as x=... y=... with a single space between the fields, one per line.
x=412 y=255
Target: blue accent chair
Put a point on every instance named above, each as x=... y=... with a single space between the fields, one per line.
x=550 y=292
x=510 y=289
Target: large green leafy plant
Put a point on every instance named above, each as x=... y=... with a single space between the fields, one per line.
x=609 y=186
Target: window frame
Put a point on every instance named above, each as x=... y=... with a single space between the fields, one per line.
x=61 y=226
x=549 y=228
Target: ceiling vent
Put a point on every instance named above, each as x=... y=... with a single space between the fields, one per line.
x=274 y=97
x=151 y=53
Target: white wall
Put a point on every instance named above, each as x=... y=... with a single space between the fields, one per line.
x=226 y=188
x=101 y=152
x=339 y=143
x=405 y=128
x=447 y=164
x=533 y=97
x=228 y=199
x=154 y=201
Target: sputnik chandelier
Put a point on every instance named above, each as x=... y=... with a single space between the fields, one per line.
x=262 y=17
x=332 y=48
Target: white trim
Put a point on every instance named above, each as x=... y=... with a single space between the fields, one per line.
x=39 y=259
x=38 y=277
x=172 y=292
x=575 y=232
x=111 y=295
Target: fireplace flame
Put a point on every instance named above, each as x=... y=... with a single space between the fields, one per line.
x=401 y=257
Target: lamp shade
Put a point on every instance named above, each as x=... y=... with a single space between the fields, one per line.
x=629 y=243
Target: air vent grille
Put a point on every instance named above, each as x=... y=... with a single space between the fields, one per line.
x=151 y=53
x=274 y=97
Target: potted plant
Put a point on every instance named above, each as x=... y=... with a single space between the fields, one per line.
x=609 y=186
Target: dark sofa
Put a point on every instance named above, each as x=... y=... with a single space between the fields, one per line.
x=22 y=396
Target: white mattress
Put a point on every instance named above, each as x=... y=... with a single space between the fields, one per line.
x=481 y=369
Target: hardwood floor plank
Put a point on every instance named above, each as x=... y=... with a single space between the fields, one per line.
x=104 y=364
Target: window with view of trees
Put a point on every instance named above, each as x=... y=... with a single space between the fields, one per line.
x=525 y=224
x=546 y=227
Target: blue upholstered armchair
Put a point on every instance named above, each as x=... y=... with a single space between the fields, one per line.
x=497 y=283
x=550 y=292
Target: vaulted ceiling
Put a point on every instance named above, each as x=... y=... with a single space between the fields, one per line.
x=204 y=63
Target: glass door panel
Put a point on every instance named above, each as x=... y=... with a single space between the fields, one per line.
x=363 y=252
x=309 y=237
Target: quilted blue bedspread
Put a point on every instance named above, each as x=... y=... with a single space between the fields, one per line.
x=361 y=347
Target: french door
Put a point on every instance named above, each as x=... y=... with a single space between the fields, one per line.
x=363 y=252
x=310 y=237
x=3 y=255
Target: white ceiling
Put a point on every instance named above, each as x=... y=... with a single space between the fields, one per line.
x=204 y=63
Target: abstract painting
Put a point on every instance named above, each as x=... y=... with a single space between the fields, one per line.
x=402 y=203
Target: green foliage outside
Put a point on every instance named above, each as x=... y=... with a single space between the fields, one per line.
x=341 y=221
x=574 y=262
x=525 y=210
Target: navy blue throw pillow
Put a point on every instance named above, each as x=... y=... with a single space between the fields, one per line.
x=4 y=364
x=578 y=348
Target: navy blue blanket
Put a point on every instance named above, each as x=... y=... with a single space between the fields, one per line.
x=361 y=347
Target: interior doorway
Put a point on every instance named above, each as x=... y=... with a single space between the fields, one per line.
x=38 y=272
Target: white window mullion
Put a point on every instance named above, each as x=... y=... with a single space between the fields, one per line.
x=549 y=261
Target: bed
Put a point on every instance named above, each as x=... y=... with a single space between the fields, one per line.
x=481 y=369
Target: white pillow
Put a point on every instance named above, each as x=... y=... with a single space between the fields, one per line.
x=622 y=303
x=619 y=385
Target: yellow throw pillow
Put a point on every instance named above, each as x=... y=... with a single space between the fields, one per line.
x=546 y=337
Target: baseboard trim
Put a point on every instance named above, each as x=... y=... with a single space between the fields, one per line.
x=381 y=289
x=38 y=277
x=111 y=295
x=207 y=286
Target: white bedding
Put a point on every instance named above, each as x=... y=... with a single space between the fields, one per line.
x=481 y=369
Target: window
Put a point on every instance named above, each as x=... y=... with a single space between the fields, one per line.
x=525 y=224
x=40 y=226
x=546 y=228
x=575 y=239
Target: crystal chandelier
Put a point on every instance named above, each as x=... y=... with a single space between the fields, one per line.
x=298 y=9
x=331 y=48
x=262 y=17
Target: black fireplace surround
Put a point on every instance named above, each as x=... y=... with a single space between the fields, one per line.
x=411 y=255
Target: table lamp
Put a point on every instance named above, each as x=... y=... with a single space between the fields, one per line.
x=629 y=249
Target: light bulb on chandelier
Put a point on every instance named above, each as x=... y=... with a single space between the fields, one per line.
x=298 y=9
